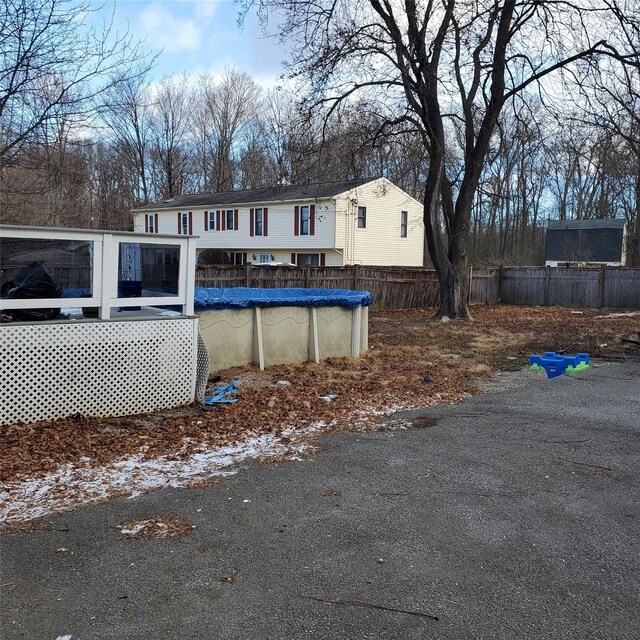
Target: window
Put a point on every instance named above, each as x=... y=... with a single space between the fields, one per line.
x=304 y=259
x=264 y=257
x=404 y=216
x=229 y=220
x=259 y=222
x=237 y=257
x=362 y=217
x=151 y=223
x=257 y=225
x=212 y=221
x=304 y=220
x=184 y=224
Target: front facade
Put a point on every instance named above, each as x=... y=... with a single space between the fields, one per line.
x=365 y=221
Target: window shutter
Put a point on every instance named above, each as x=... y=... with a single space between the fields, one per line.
x=251 y=222
x=296 y=222
x=218 y=227
x=244 y=258
x=156 y=224
x=293 y=255
x=146 y=223
x=179 y=221
x=206 y=221
x=223 y=215
x=312 y=220
x=190 y=224
x=322 y=259
x=265 y=222
x=235 y=220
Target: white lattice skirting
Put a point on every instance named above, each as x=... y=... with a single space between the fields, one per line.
x=50 y=371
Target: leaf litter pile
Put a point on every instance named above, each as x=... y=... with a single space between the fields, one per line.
x=411 y=362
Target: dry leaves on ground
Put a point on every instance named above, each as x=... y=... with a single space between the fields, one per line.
x=404 y=348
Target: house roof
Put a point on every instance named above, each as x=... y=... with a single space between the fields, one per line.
x=586 y=224
x=279 y=193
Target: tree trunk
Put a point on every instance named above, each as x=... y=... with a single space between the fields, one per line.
x=450 y=265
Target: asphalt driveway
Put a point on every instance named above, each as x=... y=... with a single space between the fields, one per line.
x=510 y=515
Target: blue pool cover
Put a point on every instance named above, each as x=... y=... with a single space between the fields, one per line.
x=245 y=298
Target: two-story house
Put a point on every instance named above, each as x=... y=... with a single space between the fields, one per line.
x=367 y=221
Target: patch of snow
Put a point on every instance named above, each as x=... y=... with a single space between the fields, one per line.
x=70 y=485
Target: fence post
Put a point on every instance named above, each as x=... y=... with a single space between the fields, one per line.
x=500 y=276
x=247 y=275
x=355 y=277
x=547 y=278
x=470 y=283
x=307 y=276
x=600 y=295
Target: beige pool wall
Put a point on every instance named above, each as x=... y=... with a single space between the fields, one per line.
x=277 y=335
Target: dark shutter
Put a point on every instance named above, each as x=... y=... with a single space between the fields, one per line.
x=293 y=255
x=218 y=225
x=312 y=220
x=224 y=219
x=296 y=222
x=235 y=220
x=179 y=223
x=251 y=222
x=265 y=222
x=156 y=224
x=190 y=224
x=146 y=223
x=206 y=221
x=322 y=259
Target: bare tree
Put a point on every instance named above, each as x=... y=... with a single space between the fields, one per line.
x=127 y=113
x=229 y=112
x=170 y=126
x=51 y=60
x=430 y=63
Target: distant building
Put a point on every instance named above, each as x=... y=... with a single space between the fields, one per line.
x=368 y=221
x=585 y=242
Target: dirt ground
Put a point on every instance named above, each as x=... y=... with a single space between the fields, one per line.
x=411 y=362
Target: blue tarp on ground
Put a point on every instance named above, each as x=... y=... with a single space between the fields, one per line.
x=245 y=298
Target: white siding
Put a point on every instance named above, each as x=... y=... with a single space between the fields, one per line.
x=336 y=231
x=380 y=242
x=280 y=229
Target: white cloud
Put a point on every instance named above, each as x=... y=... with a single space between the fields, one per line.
x=173 y=34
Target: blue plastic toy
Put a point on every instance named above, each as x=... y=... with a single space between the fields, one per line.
x=556 y=365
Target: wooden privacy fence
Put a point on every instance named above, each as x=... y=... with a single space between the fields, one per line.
x=391 y=287
x=414 y=287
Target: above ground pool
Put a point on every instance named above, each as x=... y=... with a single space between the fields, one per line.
x=274 y=326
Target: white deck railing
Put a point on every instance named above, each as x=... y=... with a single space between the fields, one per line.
x=105 y=267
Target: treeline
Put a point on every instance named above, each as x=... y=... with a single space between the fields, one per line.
x=142 y=142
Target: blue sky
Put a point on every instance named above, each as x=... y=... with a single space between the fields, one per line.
x=198 y=36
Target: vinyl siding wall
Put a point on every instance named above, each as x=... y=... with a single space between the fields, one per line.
x=380 y=242
x=280 y=229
